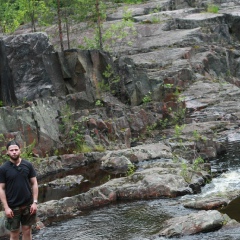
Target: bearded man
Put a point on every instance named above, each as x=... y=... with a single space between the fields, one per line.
x=18 y=193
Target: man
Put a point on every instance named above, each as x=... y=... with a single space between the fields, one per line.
x=18 y=193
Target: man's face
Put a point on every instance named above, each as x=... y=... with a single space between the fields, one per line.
x=13 y=152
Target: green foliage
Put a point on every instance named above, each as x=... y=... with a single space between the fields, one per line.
x=147 y=98
x=197 y=163
x=10 y=17
x=196 y=135
x=73 y=131
x=66 y=117
x=111 y=79
x=15 y=13
x=212 y=8
x=185 y=172
x=104 y=87
x=164 y=123
x=178 y=130
x=113 y=36
x=178 y=115
x=56 y=152
x=3 y=157
x=168 y=85
x=92 y=12
x=99 y=148
x=108 y=72
x=155 y=15
x=27 y=151
x=77 y=136
x=90 y=43
x=2 y=138
x=150 y=129
x=98 y=103
x=131 y=169
x=85 y=148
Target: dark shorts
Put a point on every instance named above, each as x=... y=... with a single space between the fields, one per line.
x=21 y=216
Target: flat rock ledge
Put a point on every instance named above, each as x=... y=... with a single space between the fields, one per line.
x=162 y=180
x=207 y=204
x=202 y=221
x=216 y=200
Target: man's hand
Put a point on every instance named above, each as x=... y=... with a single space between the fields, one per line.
x=33 y=208
x=9 y=213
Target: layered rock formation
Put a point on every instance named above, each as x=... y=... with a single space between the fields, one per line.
x=183 y=58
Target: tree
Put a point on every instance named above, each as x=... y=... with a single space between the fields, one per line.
x=112 y=37
x=10 y=17
x=92 y=13
x=14 y=13
x=67 y=12
x=99 y=24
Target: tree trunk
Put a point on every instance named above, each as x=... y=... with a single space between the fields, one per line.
x=99 y=25
x=31 y=7
x=60 y=26
x=68 y=38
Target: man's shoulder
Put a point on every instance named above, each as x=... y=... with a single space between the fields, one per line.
x=26 y=162
x=4 y=166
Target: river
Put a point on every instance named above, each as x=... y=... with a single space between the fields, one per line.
x=141 y=220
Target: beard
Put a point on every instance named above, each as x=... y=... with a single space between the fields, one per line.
x=15 y=158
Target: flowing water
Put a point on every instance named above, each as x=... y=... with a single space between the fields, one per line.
x=141 y=220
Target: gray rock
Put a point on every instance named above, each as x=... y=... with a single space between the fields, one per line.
x=31 y=69
x=203 y=221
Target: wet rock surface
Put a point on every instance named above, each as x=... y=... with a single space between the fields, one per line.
x=181 y=47
x=203 y=221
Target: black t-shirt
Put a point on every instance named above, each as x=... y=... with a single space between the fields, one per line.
x=17 y=182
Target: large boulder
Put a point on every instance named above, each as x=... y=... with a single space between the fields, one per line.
x=29 y=68
x=203 y=221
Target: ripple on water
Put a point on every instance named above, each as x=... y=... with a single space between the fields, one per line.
x=135 y=220
x=142 y=220
x=139 y=220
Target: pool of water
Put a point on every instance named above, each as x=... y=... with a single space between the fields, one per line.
x=142 y=220
x=139 y=220
x=125 y=221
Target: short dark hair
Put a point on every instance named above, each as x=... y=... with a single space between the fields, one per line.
x=13 y=142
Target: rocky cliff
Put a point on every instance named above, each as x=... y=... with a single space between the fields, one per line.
x=183 y=67
x=177 y=45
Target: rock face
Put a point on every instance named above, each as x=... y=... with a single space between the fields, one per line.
x=155 y=69
x=28 y=63
x=45 y=85
x=32 y=69
x=183 y=67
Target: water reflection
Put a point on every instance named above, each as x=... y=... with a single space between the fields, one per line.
x=125 y=221
x=47 y=193
x=92 y=178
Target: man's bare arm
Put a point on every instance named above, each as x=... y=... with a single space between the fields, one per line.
x=8 y=211
x=34 y=184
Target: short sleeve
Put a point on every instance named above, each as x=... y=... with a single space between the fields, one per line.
x=32 y=172
x=2 y=175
